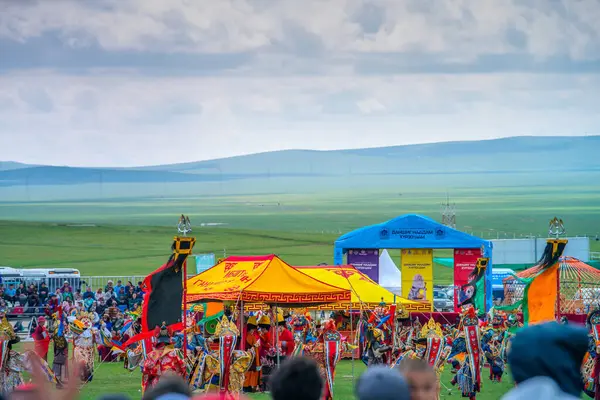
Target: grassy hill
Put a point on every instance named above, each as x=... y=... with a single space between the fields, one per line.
x=518 y=161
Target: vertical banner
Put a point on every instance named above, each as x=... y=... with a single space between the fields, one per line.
x=366 y=261
x=204 y=262
x=417 y=275
x=465 y=261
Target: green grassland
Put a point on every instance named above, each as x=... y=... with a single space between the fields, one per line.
x=133 y=236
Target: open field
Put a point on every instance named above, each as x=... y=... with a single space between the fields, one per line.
x=132 y=237
x=489 y=212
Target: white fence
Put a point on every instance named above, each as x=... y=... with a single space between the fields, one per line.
x=96 y=282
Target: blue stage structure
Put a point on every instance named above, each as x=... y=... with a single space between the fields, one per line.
x=413 y=231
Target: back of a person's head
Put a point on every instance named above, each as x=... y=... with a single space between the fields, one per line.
x=550 y=350
x=169 y=387
x=382 y=383
x=296 y=379
x=421 y=378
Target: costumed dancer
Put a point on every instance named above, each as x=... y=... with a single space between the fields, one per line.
x=300 y=326
x=163 y=358
x=85 y=339
x=12 y=363
x=198 y=375
x=376 y=348
x=468 y=376
x=327 y=351
x=252 y=377
x=232 y=364
x=41 y=339
x=134 y=353
x=60 y=349
x=591 y=362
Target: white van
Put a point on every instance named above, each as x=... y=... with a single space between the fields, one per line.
x=54 y=277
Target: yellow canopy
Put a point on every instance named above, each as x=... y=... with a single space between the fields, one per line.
x=363 y=289
x=261 y=279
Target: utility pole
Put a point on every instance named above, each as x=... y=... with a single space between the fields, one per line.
x=449 y=213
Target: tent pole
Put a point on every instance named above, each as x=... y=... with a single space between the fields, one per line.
x=277 y=335
x=242 y=327
x=184 y=307
x=352 y=336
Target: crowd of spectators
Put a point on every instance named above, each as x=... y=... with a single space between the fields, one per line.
x=38 y=299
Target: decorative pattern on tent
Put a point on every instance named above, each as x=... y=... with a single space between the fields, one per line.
x=261 y=279
x=578 y=286
x=364 y=290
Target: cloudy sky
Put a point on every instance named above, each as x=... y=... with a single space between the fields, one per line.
x=139 y=82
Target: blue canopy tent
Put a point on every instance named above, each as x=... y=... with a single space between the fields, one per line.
x=413 y=231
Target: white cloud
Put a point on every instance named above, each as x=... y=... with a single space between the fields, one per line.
x=460 y=29
x=128 y=82
x=149 y=120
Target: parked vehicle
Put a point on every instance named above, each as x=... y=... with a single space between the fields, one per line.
x=442 y=302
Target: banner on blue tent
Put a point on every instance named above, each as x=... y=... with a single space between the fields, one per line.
x=204 y=262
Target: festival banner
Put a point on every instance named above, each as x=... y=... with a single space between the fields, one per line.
x=204 y=262
x=366 y=261
x=417 y=274
x=465 y=261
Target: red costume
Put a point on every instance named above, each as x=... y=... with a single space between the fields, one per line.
x=41 y=339
x=162 y=359
x=286 y=341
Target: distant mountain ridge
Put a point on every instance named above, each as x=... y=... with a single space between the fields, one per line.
x=515 y=155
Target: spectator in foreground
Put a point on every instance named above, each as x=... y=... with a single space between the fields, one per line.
x=382 y=383
x=421 y=379
x=170 y=386
x=297 y=379
x=545 y=362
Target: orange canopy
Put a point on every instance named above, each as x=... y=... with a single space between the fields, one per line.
x=261 y=279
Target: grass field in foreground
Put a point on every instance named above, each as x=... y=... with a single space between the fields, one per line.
x=113 y=378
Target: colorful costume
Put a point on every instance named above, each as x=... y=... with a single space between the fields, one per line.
x=327 y=351
x=376 y=348
x=60 y=348
x=468 y=376
x=162 y=359
x=11 y=362
x=85 y=338
x=591 y=362
x=231 y=365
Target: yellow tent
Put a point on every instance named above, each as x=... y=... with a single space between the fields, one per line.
x=363 y=289
x=261 y=279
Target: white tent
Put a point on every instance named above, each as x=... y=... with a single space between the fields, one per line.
x=389 y=274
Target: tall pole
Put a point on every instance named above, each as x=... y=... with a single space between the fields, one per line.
x=184 y=309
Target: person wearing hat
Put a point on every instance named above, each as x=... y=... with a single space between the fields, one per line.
x=285 y=337
x=252 y=377
x=265 y=349
x=41 y=339
x=162 y=359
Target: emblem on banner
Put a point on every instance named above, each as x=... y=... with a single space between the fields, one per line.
x=384 y=234
x=440 y=233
